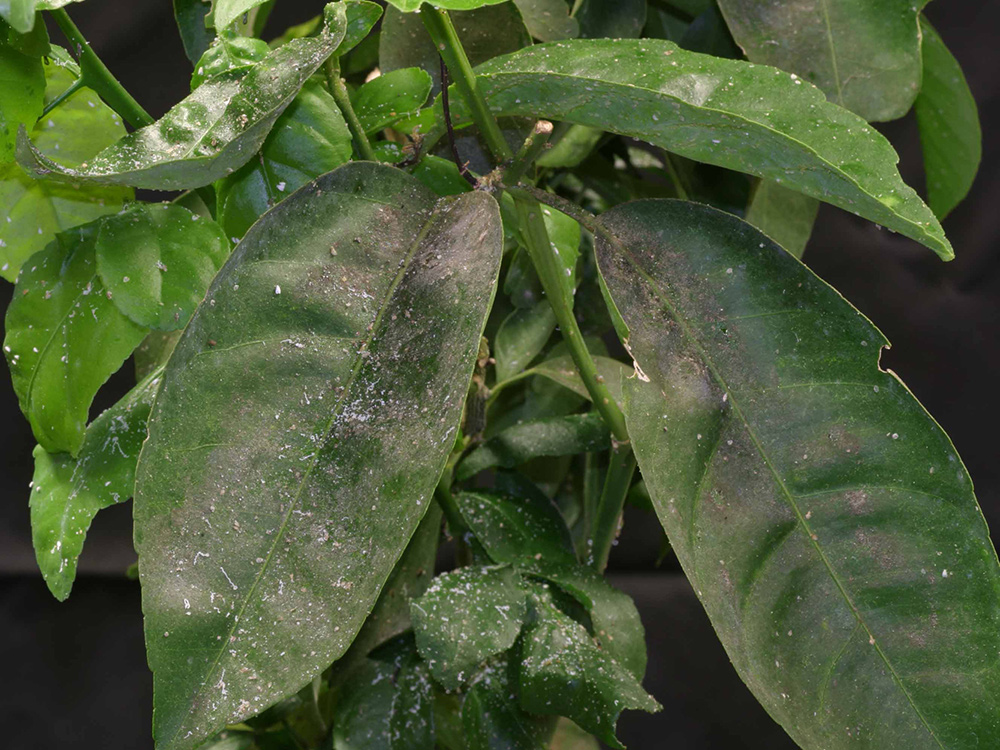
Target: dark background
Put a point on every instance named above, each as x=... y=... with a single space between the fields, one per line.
x=74 y=675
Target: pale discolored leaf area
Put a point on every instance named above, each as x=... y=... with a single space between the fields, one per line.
x=67 y=493
x=864 y=54
x=303 y=422
x=749 y=118
x=822 y=516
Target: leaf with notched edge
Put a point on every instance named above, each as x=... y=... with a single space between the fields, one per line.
x=302 y=425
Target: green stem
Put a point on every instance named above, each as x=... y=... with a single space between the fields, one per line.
x=442 y=31
x=338 y=89
x=533 y=146
x=97 y=76
x=609 y=508
x=553 y=279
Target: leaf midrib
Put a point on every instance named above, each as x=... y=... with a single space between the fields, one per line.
x=803 y=524
x=359 y=363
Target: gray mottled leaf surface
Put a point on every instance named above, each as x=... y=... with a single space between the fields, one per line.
x=303 y=422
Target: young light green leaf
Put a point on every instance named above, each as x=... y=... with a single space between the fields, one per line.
x=67 y=493
x=195 y=34
x=492 y=719
x=65 y=338
x=784 y=215
x=23 y=80
x=553 y=436
x=865 y=54
x=156 y=261
x=548 y=20
x=563 y=673
x=20 y=14
x=229 y=52
x=326 y=469
x=226 y=12
x=408 y=6
x=521 y=338
x=391 y=97
x=569 y=736
x=466 y=617
x=38 y=209
x=572 y=148
x=309 y=139
x=950 y=132
x=821 y=514
x=611 y=19
x=213 y=132
x=745 y=117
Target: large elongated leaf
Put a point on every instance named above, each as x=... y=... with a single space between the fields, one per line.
x=74 y=131
x=950 y=132
x=750 y=118
x=301 y=428
x=214 y=131
x=865 y=54
x=67 y=493
x=822 y=516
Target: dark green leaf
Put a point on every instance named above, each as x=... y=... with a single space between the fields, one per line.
x=562 y=370
x=787 y=217
x=611 y=19
x=749 y=118
x=554 y=436
x=195 y=35
x=309 y=139
x=38 y=209
x=548 y=20
x=67 y=493
x=466 y=617
x=949 y=126
x=23 y=79
x=65 y=338
x=391 y=97
x=441 y=176
x=822 y=516
x=709 y=35
x=228 y=52
x=865 y=54
x=302 y=425
x=156 y=261
x=485 y=33
x=563 y=673
x=493 y=720
x=214 y=131
x=521 y=338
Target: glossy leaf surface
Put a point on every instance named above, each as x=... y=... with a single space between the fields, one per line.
x=548 y=20
x=865 y=54
x=65 y=338
x=749 y=118
x=302 y=425
x=67 y=493
x=787 y=217
x=950 y=132
x=156 y=261
x=391 y=97
x=38 y=209
x=466 y=617
x=822 y=516
x=23 y=80
x=213 y=132
x=563 y=673
x=226 y=12
x=228 y=52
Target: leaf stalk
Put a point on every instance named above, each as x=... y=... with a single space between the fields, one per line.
x=338 y=90
x=609 y=509
x=533 y=147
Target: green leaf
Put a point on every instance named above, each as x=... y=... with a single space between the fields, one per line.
x=822 y=516
x=321 y=393
x=65 y=338
x=226 y=12
x=574 y=146
x=865 y=54
x=749 y=118
x=554 y=436
x=38 y=209
x=568 y=736
x=485 y=33
x=391 y=97
x=441 y=176
x=521 y=338
x=548 y=20
x=784 y=215
x=154 y=351
x=67 y=493
x=562 y=370
x=563 y=673
x=612 y=19
x=408 y=6
x=228 y=52
x=191 y=22
x=949 y=126
x=213 y=132
x=466 y=617
x=309 y=139
x=21 y=13
x=492 y=719
x=156 y=261
x=22 y=81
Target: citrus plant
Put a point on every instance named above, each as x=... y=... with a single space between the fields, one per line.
x=482 y=272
